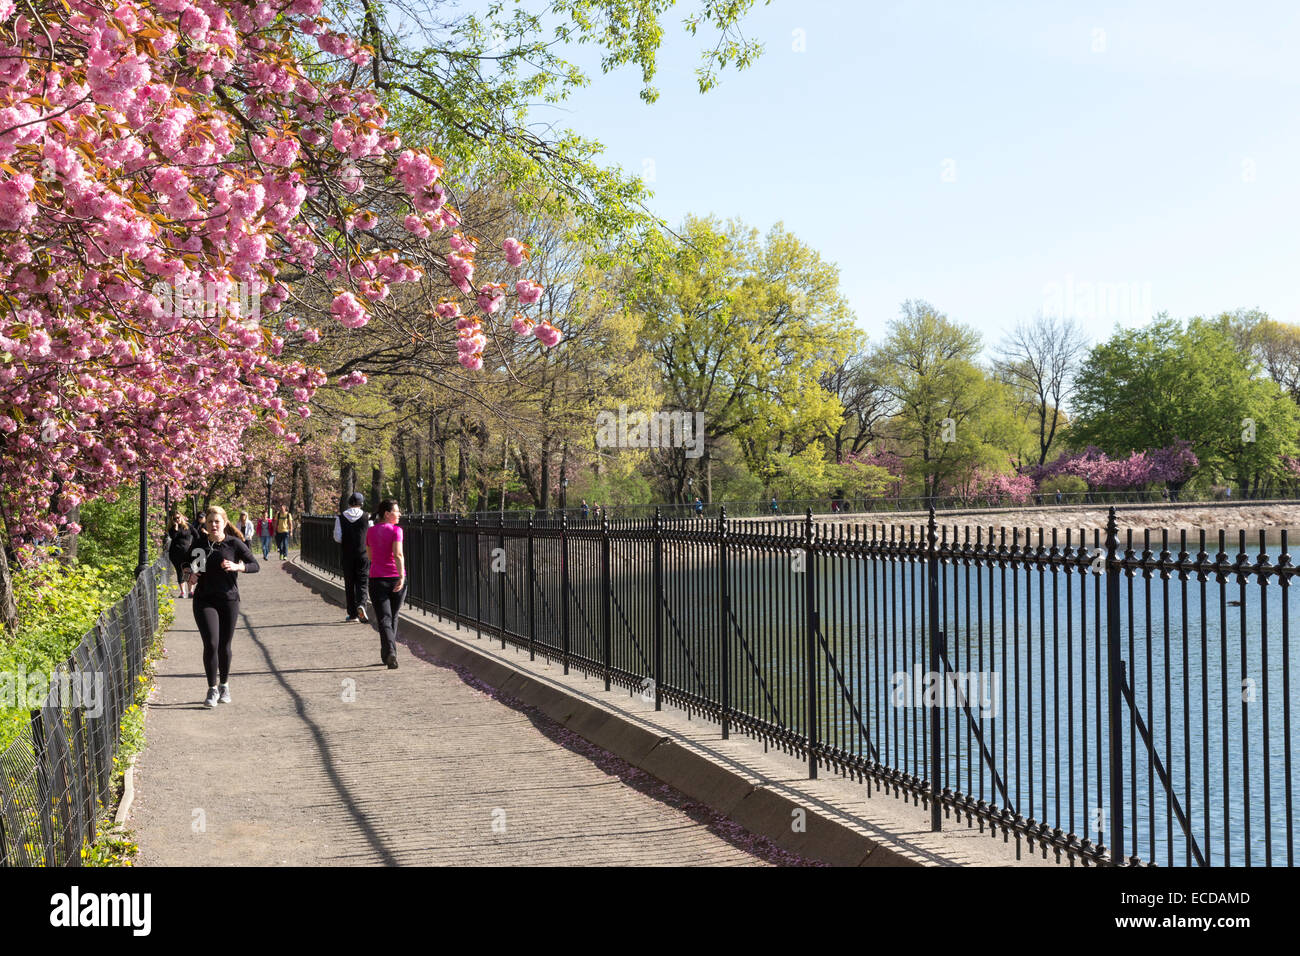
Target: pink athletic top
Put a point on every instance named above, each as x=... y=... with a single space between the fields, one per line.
x=379 y=541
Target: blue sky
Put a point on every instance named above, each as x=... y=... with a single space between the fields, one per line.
x=993 y=158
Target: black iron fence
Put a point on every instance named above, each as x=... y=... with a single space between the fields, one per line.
x=1104 y=699
x=56 y=776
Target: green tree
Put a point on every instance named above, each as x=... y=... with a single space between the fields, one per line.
x=1148 y=388
x=938 y=394
x=742 y=331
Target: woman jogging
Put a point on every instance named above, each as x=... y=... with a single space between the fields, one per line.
x=283 y=528
x=387 y=577
x=216 y=598
x=178 y=551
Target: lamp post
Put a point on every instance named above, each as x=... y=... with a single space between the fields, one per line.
x=564 y=493
x=270 y=480
x=143 y=561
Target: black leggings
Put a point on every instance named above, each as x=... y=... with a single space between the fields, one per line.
x=216 y=620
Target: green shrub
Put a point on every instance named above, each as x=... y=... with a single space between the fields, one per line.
x=57 y=605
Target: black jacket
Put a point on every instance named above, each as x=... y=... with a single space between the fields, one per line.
x=216 y=583
x=181 y=542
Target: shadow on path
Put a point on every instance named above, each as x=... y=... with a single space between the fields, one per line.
x=323 y=748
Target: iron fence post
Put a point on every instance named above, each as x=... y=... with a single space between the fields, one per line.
x=607 y=588
x=564 y=587
x=455 y=568
x=532 y=588
x=936 y=670
x=501 y=584
x=478 y=585
x=658 y=547
x=724 y=624
x=811 y=623
x=1115 y=701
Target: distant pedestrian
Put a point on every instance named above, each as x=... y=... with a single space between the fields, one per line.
x=387 y=577
x=1058 y=496
x=178 y=550
x=350 y=533
x=283 y=528
x=775 y=509
x=699 y=506
x=216 y=598
x=246 y=526
x=265 y=528
x=586 y=510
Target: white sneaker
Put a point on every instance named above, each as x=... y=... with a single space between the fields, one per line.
x=225 y=693
x=213 y=698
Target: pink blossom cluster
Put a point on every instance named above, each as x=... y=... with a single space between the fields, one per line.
x=1173 y=463
x=995 y=486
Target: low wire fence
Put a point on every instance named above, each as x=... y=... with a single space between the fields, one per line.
x=1106 y=700
x=56 y=777
x=797 y=507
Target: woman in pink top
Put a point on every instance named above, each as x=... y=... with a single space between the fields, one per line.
x=387 y=583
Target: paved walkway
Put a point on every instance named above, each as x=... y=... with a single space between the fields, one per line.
x=326 y=757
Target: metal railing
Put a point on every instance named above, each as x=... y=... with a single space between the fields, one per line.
x=1105 y=700
x=56 y=776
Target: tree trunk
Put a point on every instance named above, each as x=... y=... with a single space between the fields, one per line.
x=419 y=473
x=544 y=487
x=347 y=483
x=462 y=472
x=8 y=607
x=307 y=501
x=69 y=553
x=564 y=471
x=442 y=474
x=376 y=484
x=293 y=486
x=403 y=473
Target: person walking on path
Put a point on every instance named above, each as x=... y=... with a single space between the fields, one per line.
x=178 y=550
x=350 y=532
x=586 y=509
x=265 y=526
x=216 y=598
x=699 y=506
x=387 y=577
x=283 y=528
x=246 y=526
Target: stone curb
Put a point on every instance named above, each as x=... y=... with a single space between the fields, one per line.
x=128 y=793
x=744 y=798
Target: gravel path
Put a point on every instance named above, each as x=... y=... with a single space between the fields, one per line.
x=420 y=766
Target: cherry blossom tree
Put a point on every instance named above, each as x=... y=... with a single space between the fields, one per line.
x=173 y=176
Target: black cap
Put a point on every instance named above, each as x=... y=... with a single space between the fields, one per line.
x=357 y=499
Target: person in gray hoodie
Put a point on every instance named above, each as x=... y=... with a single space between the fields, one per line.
x=350 y=533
